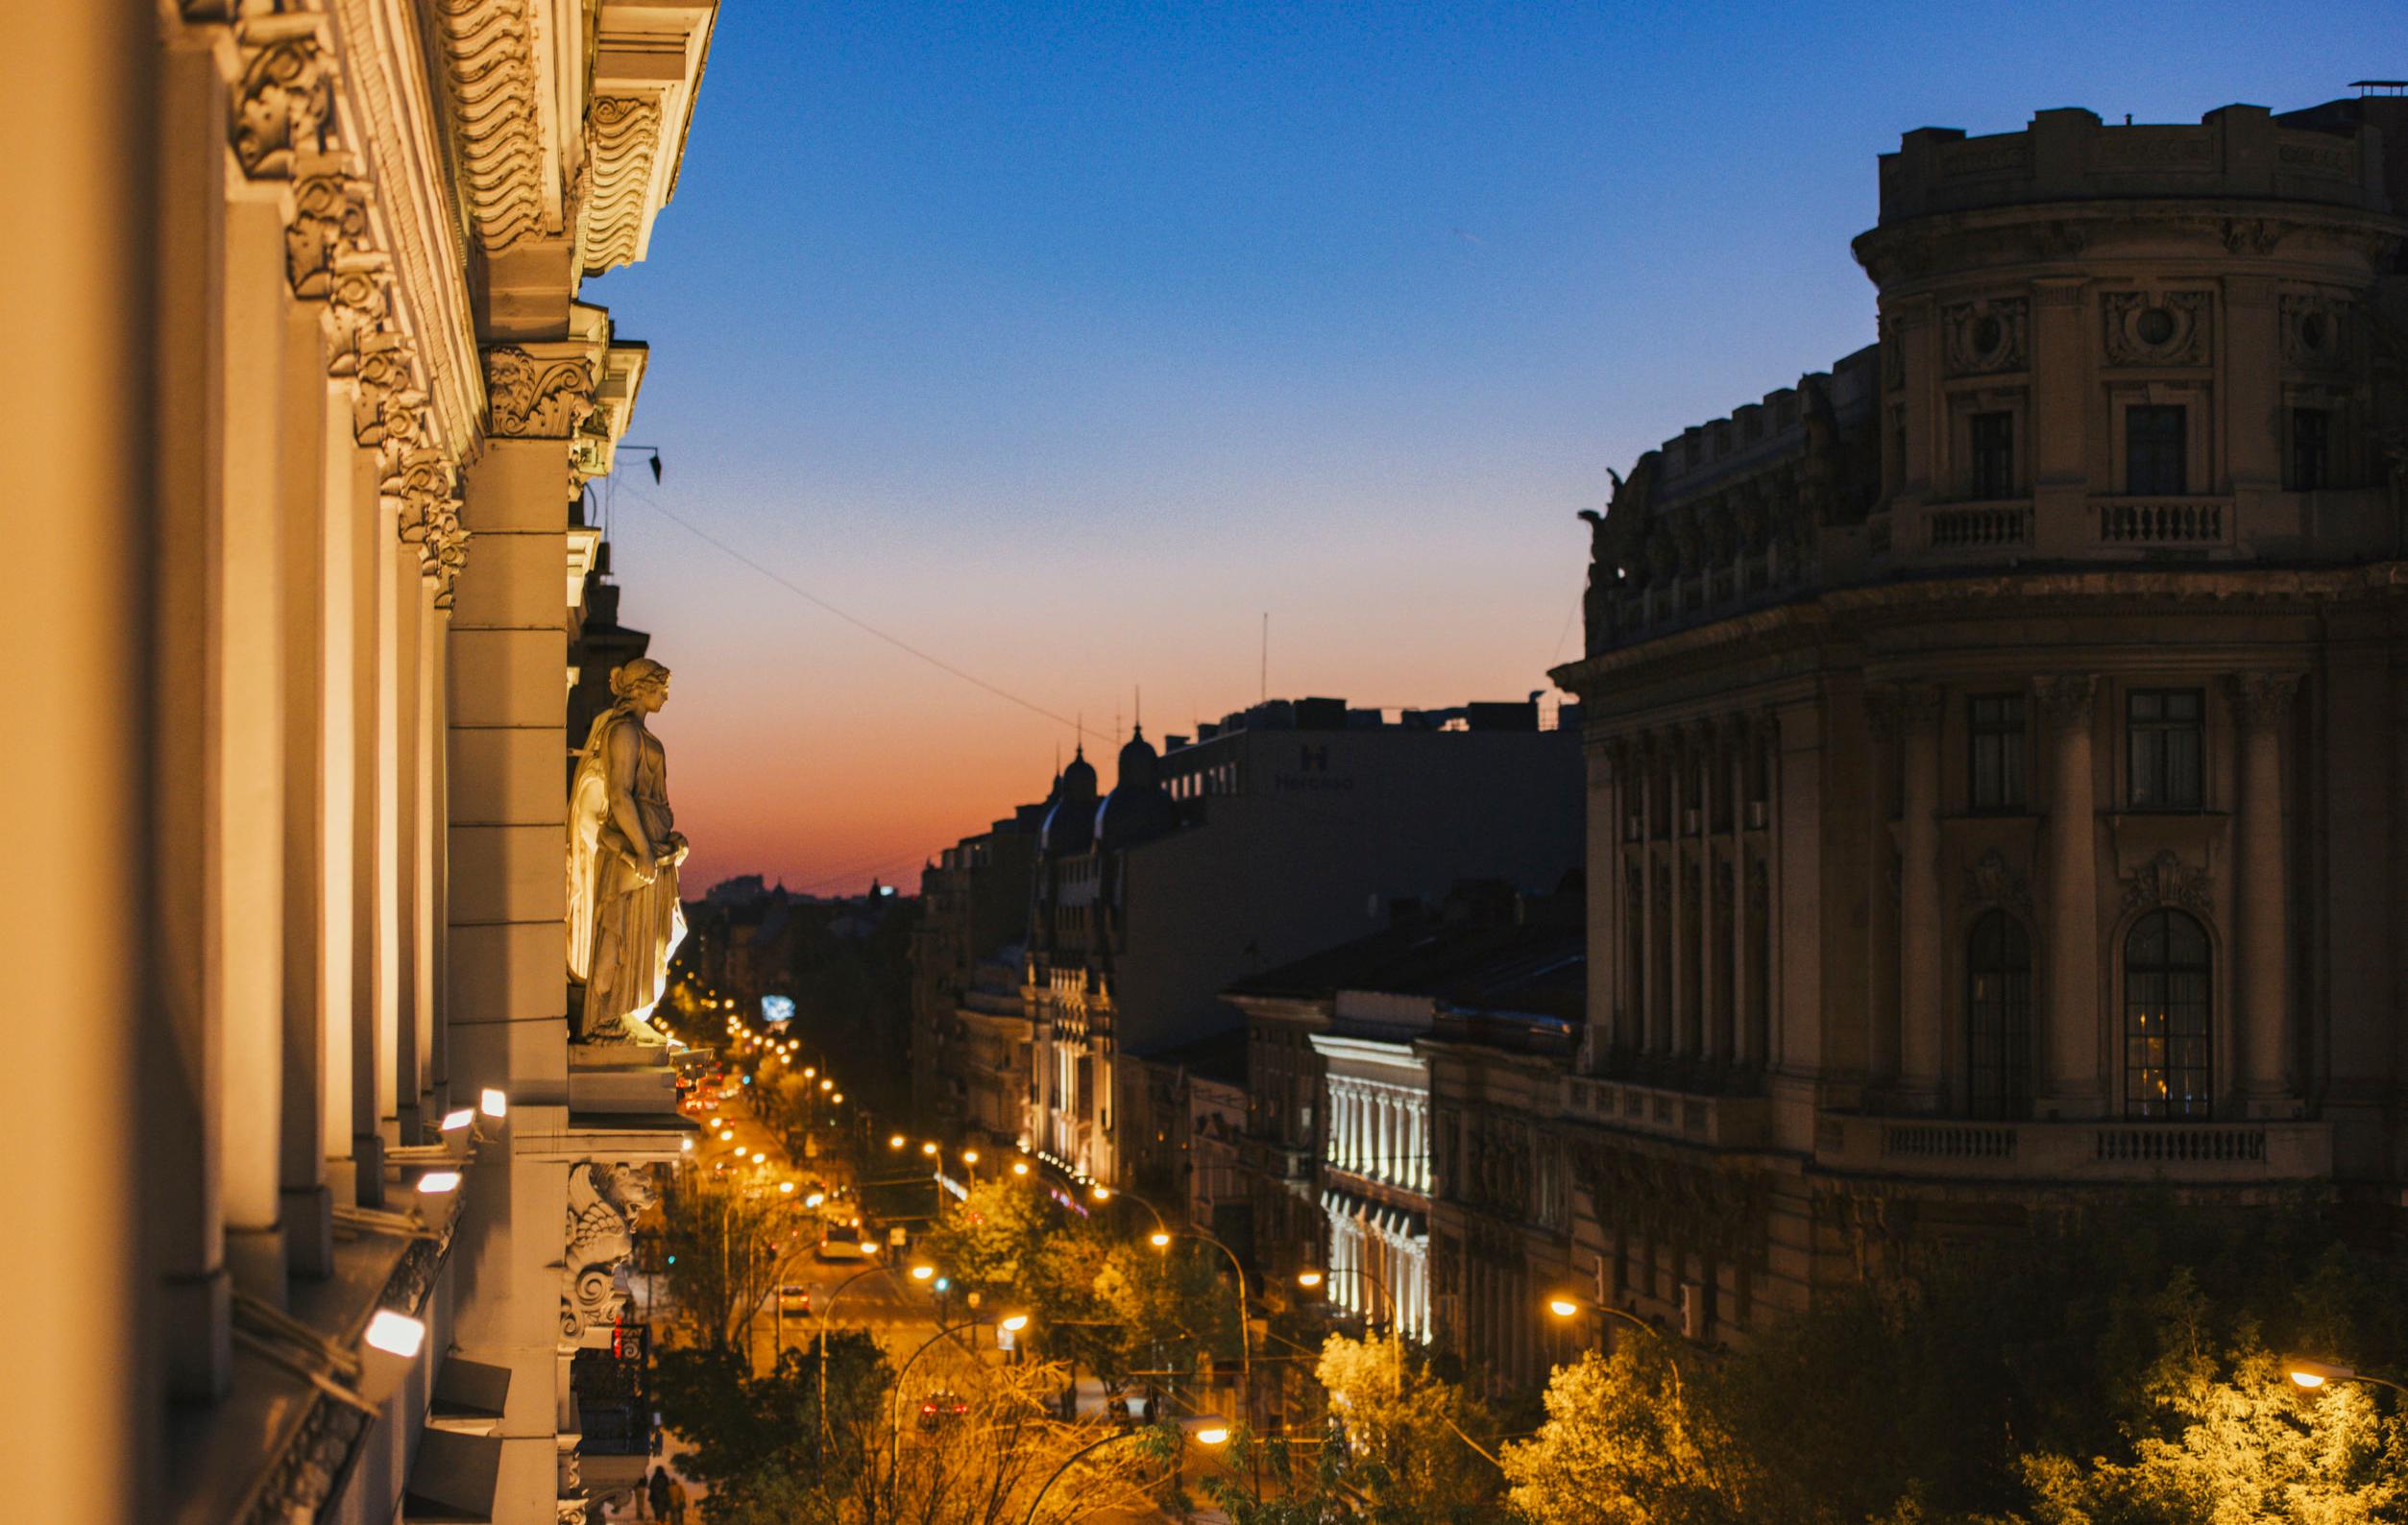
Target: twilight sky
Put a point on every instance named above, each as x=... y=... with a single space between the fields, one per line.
x=1062 y=344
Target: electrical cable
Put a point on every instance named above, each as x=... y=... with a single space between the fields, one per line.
x=1077 y=728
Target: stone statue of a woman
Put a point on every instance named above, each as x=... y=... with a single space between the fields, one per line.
x=625 y=919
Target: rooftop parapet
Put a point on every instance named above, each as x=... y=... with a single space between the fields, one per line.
x=2238 y=152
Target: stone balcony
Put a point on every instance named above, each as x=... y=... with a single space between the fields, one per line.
x=1711 y=1120
x=2107 y=1153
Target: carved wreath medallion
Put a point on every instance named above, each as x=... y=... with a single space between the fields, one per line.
x=1986 y=335
x=2157 y=328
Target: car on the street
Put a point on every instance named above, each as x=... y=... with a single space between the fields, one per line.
x=794 y=1297
x=941 y=1408
x=835 y=1248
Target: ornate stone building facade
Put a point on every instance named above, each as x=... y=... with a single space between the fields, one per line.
x=1999 y=781
x=321 y=397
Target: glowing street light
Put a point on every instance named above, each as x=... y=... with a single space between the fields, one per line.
x=1017 y=1322
x=1159 y=1240
x=395 y=1333
x=922 y=1271
x=1308 y=1279
x=1562 y=1307
x=929 y=1149
x=1019 y=1167
x=969 y=1156
x=2314 y=1374
x=896 y=1142
x=1102 y=1194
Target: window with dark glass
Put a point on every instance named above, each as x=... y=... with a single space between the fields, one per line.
x=1993 y=455
x=1995 y=746
x=2311 y=449
x=2166 y=1017
x=2165 y=732
x=1998 y=1016
x=2157 y=449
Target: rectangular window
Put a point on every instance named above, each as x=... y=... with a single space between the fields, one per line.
x=2165 y=731
x=1993 y=439
x=2311 y=449
x=1996 y=747
x=2157 y=450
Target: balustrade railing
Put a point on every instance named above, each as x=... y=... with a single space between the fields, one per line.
x=2148 y=522
x=1978 y=526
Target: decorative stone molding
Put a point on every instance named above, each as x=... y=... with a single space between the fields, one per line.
x=2252 y=235
x=622 y=136
x=330 y=219
x=488 y=49
x=2262 y=699
x=1992 y=881
x=2145 y=328
x=603 y=1203
x=2165 y=879
x=1986 y=336
x=284 y=97
x=536 y=397
x=2064 y=699
x=2315 y=330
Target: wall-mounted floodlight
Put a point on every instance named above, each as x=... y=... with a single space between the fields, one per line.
x=458 y=1118
x=493 y=1103
x=395 y=1333
x=434 y=1183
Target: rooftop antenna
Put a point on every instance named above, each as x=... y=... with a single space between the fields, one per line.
x=1137 y=716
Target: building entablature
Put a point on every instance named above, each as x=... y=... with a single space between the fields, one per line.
x=2070 y=155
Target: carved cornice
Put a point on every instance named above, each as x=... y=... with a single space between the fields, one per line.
x=538 y=396
x=622 y=138
x=489 y=63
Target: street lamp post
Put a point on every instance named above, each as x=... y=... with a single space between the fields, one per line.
x=894 y=1396
x=2314 y=1374
x=1565 y=1306
x=826 y=1312
x=1203 y=1431
x=1308 y=1279
x=1162 y=1240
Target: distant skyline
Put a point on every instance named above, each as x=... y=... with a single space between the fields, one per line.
x=1063 y=345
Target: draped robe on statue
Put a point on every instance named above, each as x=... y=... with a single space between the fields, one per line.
x=621 y=930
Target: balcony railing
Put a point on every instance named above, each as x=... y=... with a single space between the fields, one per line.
x=1723 y=1122
x=2104 y=1153
x=1978 y=526
x=2161 y=523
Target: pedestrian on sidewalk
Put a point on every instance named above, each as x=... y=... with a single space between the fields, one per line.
x=658 y=1494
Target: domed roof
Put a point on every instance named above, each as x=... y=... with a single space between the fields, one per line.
x=1070 y=821
x=1138 y=807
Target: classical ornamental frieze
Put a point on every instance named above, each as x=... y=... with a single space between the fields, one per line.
x=622 y=136
x=427 y=512
x=1993 y=881
x=2165 y=879
x=2149 y=329
x=1986 y=336
x=535 y=398
x=604 y=1201
x=488 y=52
x=286 y=95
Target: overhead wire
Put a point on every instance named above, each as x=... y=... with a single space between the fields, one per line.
x=1077 y=726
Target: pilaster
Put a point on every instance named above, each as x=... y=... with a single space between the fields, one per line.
x=2074 y=1087
x=2261 y=707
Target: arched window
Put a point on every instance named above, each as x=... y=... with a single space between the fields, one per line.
x=1998 y=1016
x=2166 y=1027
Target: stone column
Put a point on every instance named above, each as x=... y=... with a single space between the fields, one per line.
x=2261 y=706
x=2062 y=342
x=1651 y=982
x=409 y=1007
x=1677 y=984
x=1744 y=1052
x=79 y=587
x=366 y=1046
x=1921 y=1011
x=2073 y=1047
x=1713 y=979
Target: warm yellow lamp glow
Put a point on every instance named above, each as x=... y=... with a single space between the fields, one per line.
x=922 y=1271
x=685 y=1146
x=827 y=1085
x=1212 y=1435
x=1308 y=1278
x=1019 y=1167
x=395 y=1333
x=969 y=1156
x=1102 y=1194
x=837 y=1099
x=928 y=1148
x=814 y=1199
x=895 y=1142
x=1159 y=1240
x=1017 y=1322
x=787 y=1187
x=1562 y=1307
x=2314 y=1374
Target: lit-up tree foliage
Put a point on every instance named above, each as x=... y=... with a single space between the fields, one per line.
x=721 y=1250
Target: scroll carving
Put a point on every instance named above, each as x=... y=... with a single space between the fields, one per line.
x=489 y=59
x=604 y=1202
x=281 y=104
x=1986 y=336
x=622 y=136
x=535 y=399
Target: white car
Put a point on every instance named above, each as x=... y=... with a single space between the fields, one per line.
x=835 y=1248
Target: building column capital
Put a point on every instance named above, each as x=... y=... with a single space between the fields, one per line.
x=2065 y=700
x=2262 y=700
